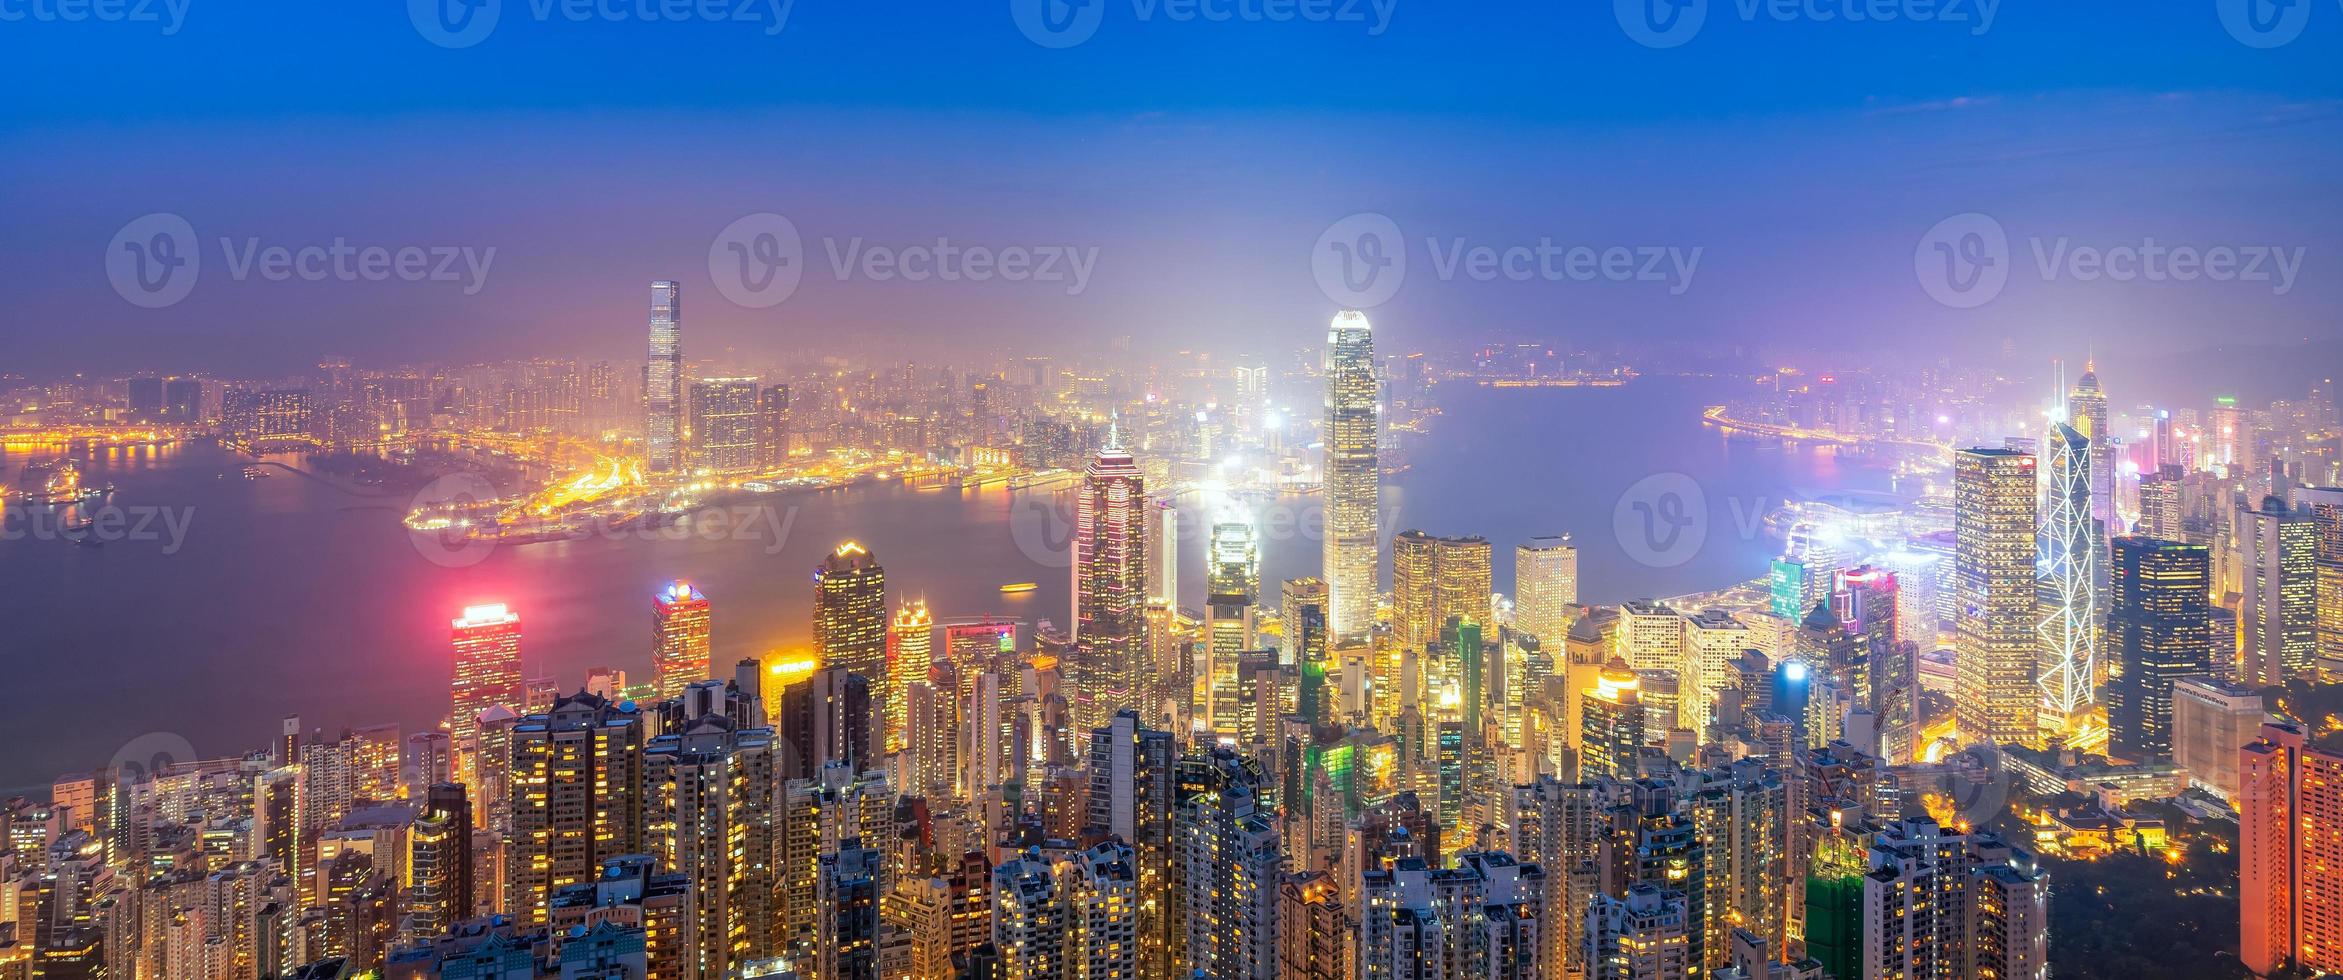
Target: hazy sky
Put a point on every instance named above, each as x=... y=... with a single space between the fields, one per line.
x=1197 y=161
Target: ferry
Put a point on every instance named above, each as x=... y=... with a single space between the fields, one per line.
x=1016 y=588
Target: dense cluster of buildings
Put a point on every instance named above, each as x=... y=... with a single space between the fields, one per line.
x=1306 y=779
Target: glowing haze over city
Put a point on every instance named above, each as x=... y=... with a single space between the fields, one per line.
x=1265 y=489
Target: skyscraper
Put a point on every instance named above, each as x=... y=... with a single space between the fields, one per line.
x=1308 y=646
x=1226 y=849
x=1232 y=591
x=2278 y=548
x=2067 y=624
x=850 y=613
x=2289 y=843
x=1435 y=579
x=679 y=638
x=2158 y=625
x=910 y=659
x=1545 y=588
x=1993 y=564
x=487 y=642
x=709 y=792
x=1352 y=475
x=726 y=424
x=439 y=860
x=663 y=380
x=2326 y=518
x=1938 y=904
x=577 y=799
x=1110 y=588
x=1644 y=935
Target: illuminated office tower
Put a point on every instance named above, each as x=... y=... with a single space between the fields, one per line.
x=1644 y=935
x=663 y=381
x=772 y=425
x=1352 y=475
x=851 y=880
x=1163 y=554
x=2067 y=607
x=1225 y=850
x=439 y=861
x=850 y=614
x=2228 y=447
x=1611 y=723
x=679 y=633
x=708 y=789
x=2278 y=551
x=487 y=673
x=576 y=796
x=1939 y=904
x=1993 y=565
x=1232 y=588
x=1651 y=635
x=726 y=425
x=1545 y=589
x=2326 y=519
x=1309 y=647
x=2162 y=495
x=2158 y=627
x=2291 y=801
x=910 y=660
x=1110 y=587
x=1435 y=579
x=1132 y=770
x=1713 y=641
x=2086 y=412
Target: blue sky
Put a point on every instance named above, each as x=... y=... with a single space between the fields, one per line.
x=1804 y=158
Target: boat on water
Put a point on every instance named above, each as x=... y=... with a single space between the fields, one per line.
x=1015 y=588
x=255 y=473
x=55 y=483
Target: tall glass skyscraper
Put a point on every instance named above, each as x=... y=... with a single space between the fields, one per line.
x=2067 y=627
x=663 y=380
x=1110 y=588
x=1353 y=476
x=679 y=630
x=2160 y=628
x=850 y=613
x=1545 y=586
x=1993 y=564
